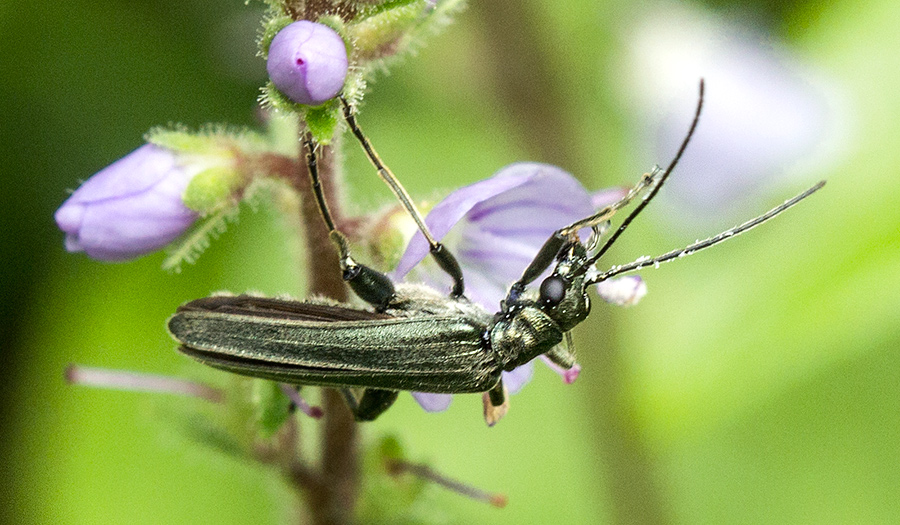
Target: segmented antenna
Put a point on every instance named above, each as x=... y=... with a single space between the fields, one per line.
x=644 y=262
x=653 y=190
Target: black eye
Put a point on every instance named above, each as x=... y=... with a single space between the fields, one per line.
x=553 y=289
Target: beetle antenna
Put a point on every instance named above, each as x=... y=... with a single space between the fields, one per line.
x=653 y=191
x=644 y=262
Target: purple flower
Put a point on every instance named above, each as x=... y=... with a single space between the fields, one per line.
x=766 y=115
x=132 y=207
x=307 y=62
x=495 y=228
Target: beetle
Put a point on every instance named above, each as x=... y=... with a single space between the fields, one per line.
x=412 y=337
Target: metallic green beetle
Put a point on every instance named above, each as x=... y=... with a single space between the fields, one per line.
x=414 y=338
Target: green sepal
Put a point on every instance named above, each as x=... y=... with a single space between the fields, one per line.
x=219 y=142
x=181 y=140
x=335 y=22
x=322 y=121
x=272 y=408
x=211 y=189
x=271 y=27
x=273 y=98
x=383 y=25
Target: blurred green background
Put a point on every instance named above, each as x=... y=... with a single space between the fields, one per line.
x=756 y=383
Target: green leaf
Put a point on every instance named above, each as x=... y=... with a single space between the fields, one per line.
x=272 y=407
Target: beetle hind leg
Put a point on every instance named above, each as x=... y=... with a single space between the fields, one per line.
x=371 y=404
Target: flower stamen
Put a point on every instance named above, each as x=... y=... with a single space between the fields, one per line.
x=300 y=403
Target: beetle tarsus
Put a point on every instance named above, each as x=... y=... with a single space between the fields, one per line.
x=496 y=404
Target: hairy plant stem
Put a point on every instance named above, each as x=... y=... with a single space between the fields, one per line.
x=332 y=500
x=330 y=488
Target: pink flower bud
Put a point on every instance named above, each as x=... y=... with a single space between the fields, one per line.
x=308 y=62
x=130 y=208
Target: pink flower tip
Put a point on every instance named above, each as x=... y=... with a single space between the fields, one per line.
x=570 y=375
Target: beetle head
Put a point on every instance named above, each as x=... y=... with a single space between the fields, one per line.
x=562 y=295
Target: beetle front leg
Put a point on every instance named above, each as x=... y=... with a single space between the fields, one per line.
x=563 y=355
x=371 y=404
x=496 y=403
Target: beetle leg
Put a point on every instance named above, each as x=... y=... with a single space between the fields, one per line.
x=441 y=254
x=369 y=284
x=562 y=356
x=496 y=403
x=370 y=404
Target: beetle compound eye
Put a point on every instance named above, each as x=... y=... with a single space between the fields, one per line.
x=553 y=289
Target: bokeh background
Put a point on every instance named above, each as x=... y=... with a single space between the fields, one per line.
x=756 y=383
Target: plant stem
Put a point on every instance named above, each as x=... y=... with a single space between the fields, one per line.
x=330 y=492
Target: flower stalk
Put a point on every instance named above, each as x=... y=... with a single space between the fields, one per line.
x=127 y=380
x=397 y=467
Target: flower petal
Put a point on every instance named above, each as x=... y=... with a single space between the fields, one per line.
x=622 y=291
x=132 y=207
x=307 y=61
x=519 y=377
x=449 y=212
x=608 y=196
x=132 y=174
x=495 y=227
x=121 y=229
x=433 y=402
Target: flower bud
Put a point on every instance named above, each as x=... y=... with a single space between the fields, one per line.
x=130 y=208
x=307 y=62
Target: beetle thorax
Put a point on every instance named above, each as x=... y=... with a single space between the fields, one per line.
x=521 y=334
